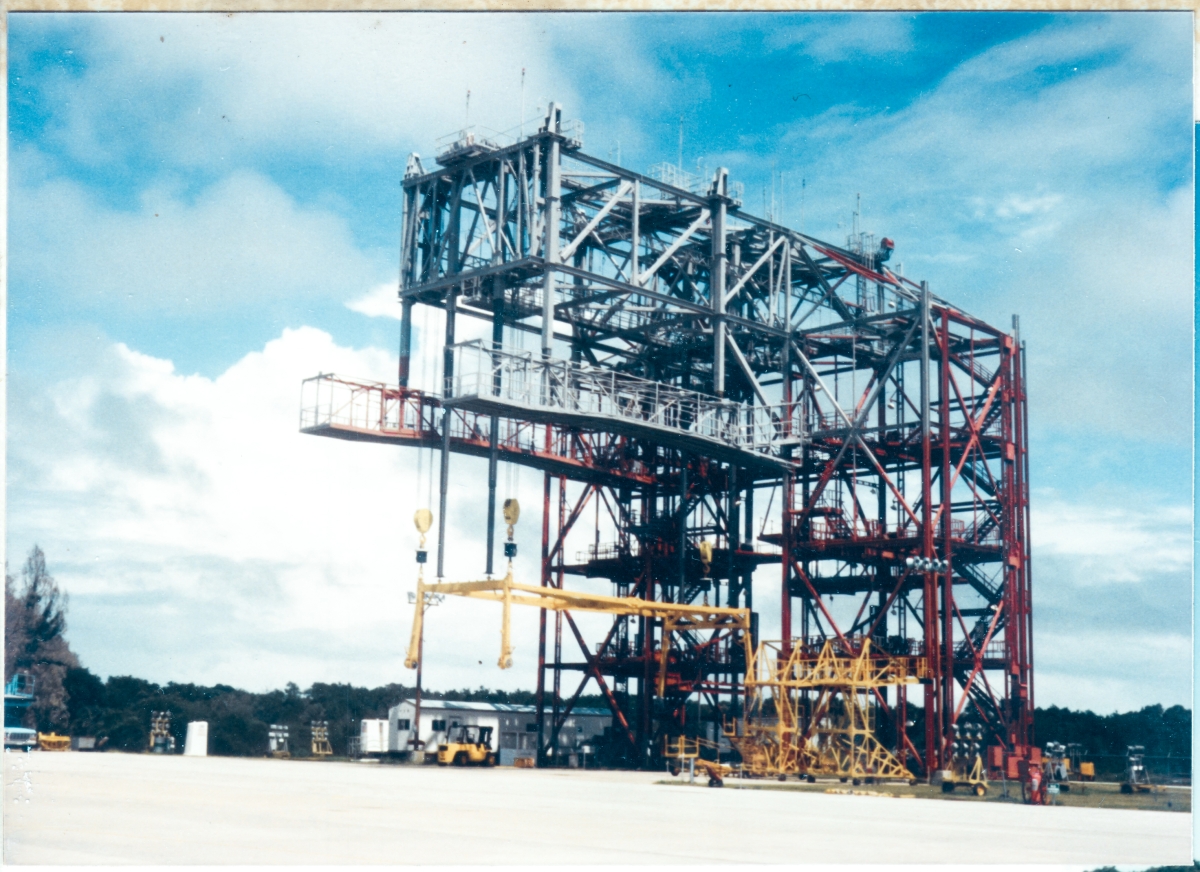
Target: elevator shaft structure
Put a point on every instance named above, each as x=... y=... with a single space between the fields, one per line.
x=689 y=363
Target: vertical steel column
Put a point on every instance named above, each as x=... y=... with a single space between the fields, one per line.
x=929 y=595
x=409 y=214
x=1018 y=631
x=493 y=449
x=650 y=585
x=716 y=284
x=748 y=538
x=497 y=344
x=635 y=239
x=1013 y=632
x=540 y=695
x=550 y=254
x=406 y=307
x=558 y=621
x=785 y=596
x=731 y=533
x=1022 y=449
x=447 y=391
x=683 y=513
x=946 y=472
x=1014 y=640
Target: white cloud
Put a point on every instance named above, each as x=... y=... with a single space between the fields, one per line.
x=1046 y=176
x=1106 y=544
x=1111 y=600
x=1086 y=670
x=242 y=241
x=343 y=81
x=1017 y=205
x=379 y=302
x=831 y=38
x=189 y=516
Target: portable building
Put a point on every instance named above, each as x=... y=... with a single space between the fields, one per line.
x=514 y=727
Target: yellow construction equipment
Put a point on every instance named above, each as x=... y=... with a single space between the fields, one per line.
x=161 y=740
x=716 y=772
x=320 y=739
x=1080 y=769
x=680 y=748
x=676 y=617
x=470 y=745
x=685 y=751
x=835 y=735
x=828 y=731
x=53 y=742
x=966 y=773
x=966 y=764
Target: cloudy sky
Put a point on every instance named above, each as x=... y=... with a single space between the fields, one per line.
x=205 y=209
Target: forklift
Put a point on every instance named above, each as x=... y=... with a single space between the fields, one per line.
x=1081 y=770
x=468 y=745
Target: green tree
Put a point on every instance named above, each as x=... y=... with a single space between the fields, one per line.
x=86 y=701
x=34 y=623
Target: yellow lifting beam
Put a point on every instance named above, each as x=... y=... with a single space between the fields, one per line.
x=676 y=617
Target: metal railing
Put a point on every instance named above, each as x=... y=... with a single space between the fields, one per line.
x=476 y=138
x=20 y=684
x=694 y=183
x=677 y=177
x=528 y=381
x=330 y=401
x=608 y=551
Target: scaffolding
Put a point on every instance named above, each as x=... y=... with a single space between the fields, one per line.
x=810 y=711
x=692 y=364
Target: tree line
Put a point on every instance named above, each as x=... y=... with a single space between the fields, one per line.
x=120 y=707
x=71 y=699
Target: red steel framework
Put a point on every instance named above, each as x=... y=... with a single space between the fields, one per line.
x=696 y=361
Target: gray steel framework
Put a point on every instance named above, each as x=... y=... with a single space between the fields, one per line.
x=689 y=356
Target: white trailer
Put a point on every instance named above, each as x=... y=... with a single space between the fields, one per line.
x=373 y=736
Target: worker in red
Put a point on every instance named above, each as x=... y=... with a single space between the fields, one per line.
x=886 y=247
x=1033 y=784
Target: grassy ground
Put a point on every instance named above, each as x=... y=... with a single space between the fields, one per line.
x=1103 y=795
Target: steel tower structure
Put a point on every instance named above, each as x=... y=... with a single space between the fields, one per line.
x=691 y=359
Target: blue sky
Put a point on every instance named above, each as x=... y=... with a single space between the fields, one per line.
x=205 y=209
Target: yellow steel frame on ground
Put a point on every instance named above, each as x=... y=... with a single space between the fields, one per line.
x=681 y=747
x=974 y=775
x=675 y=616
x=320 y=742
x=836 y=737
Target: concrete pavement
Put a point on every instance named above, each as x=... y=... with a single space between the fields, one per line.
x=76 y=808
